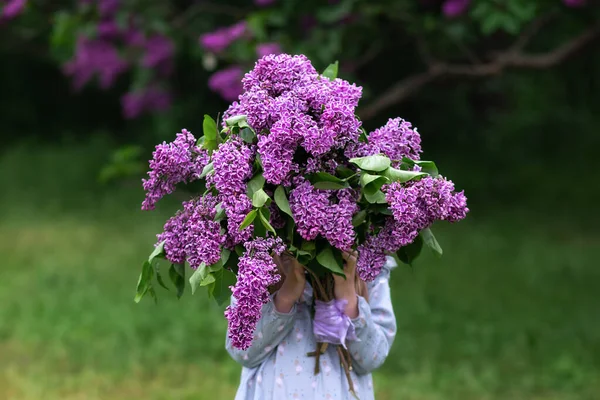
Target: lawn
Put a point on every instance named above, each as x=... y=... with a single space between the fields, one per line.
x=512 y=310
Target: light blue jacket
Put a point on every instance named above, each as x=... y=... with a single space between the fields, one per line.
x=276 y=366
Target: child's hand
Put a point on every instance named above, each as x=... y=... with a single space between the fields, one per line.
x=346 y=288
x=293 y=285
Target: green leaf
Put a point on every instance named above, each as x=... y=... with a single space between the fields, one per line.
x=328 y=260
x=210 y=278
x=426 y=166
x=359 y=218
x=220 y=212
x=254 y=184
x=159 y=276
x=431 y=242
x=248 y=220
x=220 y=289
x=282 y=201
x=198 y=276
x=325 y=177
x=409 y=253
x=158 y=252
x=331 y=72
x=375 y=163
x=260 y=198
x=399 y=175
x=177 y=275
x=330 y=185
x=372 y=183
x=345 y=172
x=144 y=281
x=211 y=135
x=208 y=168
x=265 y=221
x=247 y=135
x=238 y=120
x=376 y=198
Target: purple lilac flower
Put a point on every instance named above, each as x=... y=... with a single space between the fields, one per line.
x=174 y=236
x=108 y=8
x=264 y=3
x=396 y=139
x=575 y=3
x=315 y=213
x=108 y=30
x=150 y=99
x=227 y=82
x=12 y=8
x=236 y=208
x=280 y=73
x=202 y=238
x=265 y=49
x=371 y=258
x=256 y=272
x=232 y=163
x=94 y=57
x=455 y=8
x=172 y=163
x=277 y=148
x=158 y=54
x=338 y=228
x=220 y=39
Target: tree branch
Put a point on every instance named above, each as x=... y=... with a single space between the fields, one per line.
x=501 y=61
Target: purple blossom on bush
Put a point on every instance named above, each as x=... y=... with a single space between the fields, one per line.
x=108 y=30
x=575 y=3
x=12 y=8
x=158 y=54
x=149 y=99
x=94 y=57
x=220 y=39
x=227 y=82
x=172 y=163
x=236 y=208
x=264 y=3
x=265 y=49
x=454 y=8
x=256 y=272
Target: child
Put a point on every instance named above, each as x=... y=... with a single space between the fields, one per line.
x=276 y=366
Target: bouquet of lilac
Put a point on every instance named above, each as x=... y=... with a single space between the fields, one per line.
x=291 y=169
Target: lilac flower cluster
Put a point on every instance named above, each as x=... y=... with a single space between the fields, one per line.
x=396 y=139
x=172 y=163
x=232 y=163
x=192 y=234
x=303 y=127
x=256 y=272
x=324 y=212
x=415 y=205
x=290 y=106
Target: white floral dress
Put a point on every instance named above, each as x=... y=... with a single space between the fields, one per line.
x=276 y=366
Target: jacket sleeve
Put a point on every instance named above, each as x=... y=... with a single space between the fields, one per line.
x=271 y=329
x=375 y=325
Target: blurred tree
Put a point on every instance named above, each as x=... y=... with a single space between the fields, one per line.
x=163 y=59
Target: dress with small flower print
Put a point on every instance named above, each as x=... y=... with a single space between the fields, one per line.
x=276 y=366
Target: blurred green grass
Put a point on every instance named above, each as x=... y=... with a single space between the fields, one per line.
x=510 y=312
